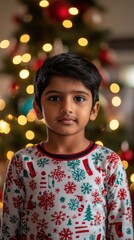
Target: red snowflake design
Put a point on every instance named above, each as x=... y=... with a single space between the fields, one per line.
x=17 y=201
x=58 y=174
x=112 y=205
x=66 y=234
x=5 y=208
x=129 y=214
x=58 y=218
x=42 y=225
x=113 y=158
x=32 y=184
x=70 y=187
x=46 y=200
x=98 y=180
x=122 y=194
x=97 y=218
x=18 y=183
x=56 y=161
x=111 y=180
x=97 y=198
x=19 y=164
x=34 y=217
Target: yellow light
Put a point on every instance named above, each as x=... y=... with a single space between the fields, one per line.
x=116 y=101
x=73 y=11
x=82 y=42
x=114 y=88
x=31 y=116
x=26 y=57
x=30 y=135
x=29 y=145
x=4 y=127
x=2 y=104
x=132 y=186
x=4 y=44
x=132 y=178
x=67 y=24
x=22 y=120
x=99 y=143
x=24 y=73
x=30 y=89
x=114 y=124
x=24 y=38
x=125 y=164
x=1 y=205
x=17 y=59
x=9 y=154
x=44 y=3
x=10 y=117
x=47 y=47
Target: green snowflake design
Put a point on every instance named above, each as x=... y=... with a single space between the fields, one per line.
x=73 y=164
x=73 y=204
x=78 y=174
x=42 y=162
x=86 y=188
x=97 y=157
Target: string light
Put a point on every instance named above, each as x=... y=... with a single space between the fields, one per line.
x=4 y=44
x=114 y=88
x=4 y=127
x=24 y=38
x=22 y=120
x=73 y=11
x=82 y=42
x=30 y=89
x=31 y=116
x=16 y=59
x=47 y=47
x=30 y=135
x=125 y=164
x=132 y=178
x=9 y=154
x=44 y=3
x=2 y=104
x=116 y=101
x=67 y=24
x=99 y=143
x=24 y=73
x=114 y=124
x=26 y=57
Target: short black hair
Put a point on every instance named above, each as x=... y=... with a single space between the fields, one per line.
x=67 y=65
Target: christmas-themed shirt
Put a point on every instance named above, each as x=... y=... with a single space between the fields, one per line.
x=80 y=196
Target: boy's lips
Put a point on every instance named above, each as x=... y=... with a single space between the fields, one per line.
x=66 y=120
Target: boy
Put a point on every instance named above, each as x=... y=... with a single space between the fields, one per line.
x=66 y=187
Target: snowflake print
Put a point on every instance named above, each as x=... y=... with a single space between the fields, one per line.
x=73 y=204
x=112 y=205
x=111 y=180
x=86 y=188
x=13 y=219
x=98 y=180
x=119 y=178
x=97 y=157
x=70 y=187
x=19 y=164
x=56 y=161
x=129 y=214
x=34 y=217
x=97 y=198
x=32 y=184
x=92 y=237
x=46 y=200
x=17 y=201
x=42 y=162
x=42 y=225
x=78 y=174
x=73 y=164
x=58 y=218
x=113 y=159
x=66 y=234
x=97 y=218
x=58 y=174
x=122 y=194
x=19 y=183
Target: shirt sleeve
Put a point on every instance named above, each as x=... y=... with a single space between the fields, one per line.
x=120 y=225
x=13 y=198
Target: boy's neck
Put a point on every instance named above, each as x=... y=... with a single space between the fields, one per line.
x=65 y=145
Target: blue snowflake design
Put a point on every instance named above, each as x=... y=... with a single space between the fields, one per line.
x=42 y=162
x=86 y=188
x=13 y=219
x=73 y=164
x=78 y=174
x=73 y=204
x=119 y=178
x=97 y=157
x=92 y=237
x=128 y=231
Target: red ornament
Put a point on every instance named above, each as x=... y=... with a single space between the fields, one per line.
x=126 y=155
x=107 y=56
x=57 y=10
x=37 y=64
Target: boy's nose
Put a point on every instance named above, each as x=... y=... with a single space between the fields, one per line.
x=66 y=107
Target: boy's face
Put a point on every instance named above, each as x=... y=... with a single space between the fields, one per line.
x=66 y=106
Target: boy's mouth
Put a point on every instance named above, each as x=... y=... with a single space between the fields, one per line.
x=66 y=120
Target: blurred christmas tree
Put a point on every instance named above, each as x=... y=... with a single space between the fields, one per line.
x=45 y=29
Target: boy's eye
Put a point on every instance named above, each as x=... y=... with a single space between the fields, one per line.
x=54 y=98
x=79 y=99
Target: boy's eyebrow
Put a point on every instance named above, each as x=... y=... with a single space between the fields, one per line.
x=75 y=92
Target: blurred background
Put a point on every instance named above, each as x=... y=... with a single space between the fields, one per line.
x=102 y=31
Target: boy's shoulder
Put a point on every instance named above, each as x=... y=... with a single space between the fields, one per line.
x=27 y=151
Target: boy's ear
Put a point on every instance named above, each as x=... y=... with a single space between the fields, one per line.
x=94 y=111
x=37 y=110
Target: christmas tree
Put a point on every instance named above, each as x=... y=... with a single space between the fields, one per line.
x=45 y=29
